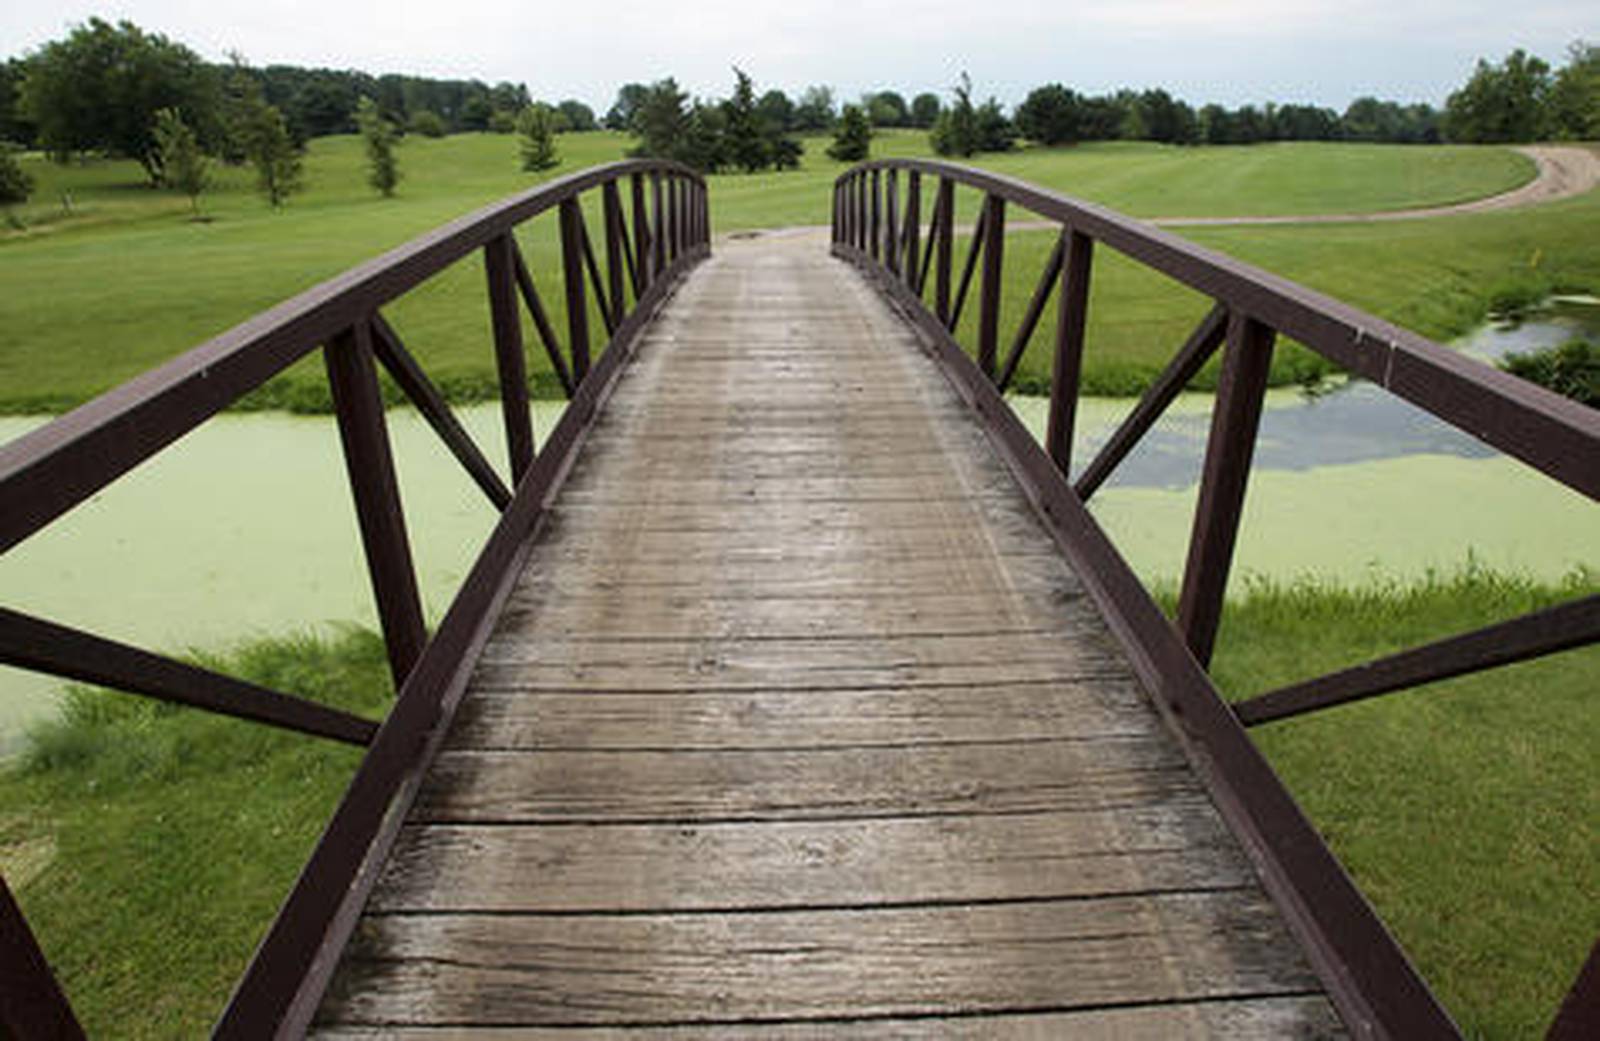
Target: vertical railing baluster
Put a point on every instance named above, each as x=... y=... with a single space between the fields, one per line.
x=944 y=234
x=1071 y=319
x=858 y=209
x=641 y=237
x=577 y=305
x=674 y=219
x=499 y=264
x=705 y=215
x=358 y=407
x=875 y=190
x=1235 y=418
x=611 y=206
x=658 y=240
x=864 y=209
x=994 y=231
x=891 y=222
x=32 y=1004
x=913 y=219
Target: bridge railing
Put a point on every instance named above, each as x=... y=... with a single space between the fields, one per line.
x=655 y=225
x=883 y=222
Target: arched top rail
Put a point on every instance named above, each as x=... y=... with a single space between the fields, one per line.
x=50 y=470
x=883 y=223
x=1558 y=436
x=654 y=227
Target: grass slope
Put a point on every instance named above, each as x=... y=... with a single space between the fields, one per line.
x=151 y=845
x=1436 y=277
x=1466 y=811
x=126 y=281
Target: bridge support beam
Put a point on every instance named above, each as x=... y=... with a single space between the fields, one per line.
x=353 y=379
x=1234 y=420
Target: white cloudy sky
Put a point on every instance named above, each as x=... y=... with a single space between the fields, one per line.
x=1232 y=51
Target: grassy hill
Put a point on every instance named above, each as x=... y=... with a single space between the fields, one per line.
x=124 y=280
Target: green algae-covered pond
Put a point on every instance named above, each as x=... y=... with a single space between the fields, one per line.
x=245 y=528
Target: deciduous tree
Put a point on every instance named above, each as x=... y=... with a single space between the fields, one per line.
x=579 y=117
x=184 y=167
x=15 y=184
x=814 y=111
x=1501 y=103
x=378 y=136
x=100 y=88
x=262 y=137
x=925 y=110
x=1050 y=115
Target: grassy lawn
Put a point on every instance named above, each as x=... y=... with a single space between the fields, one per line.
x=126 y=281
x=1466 y=811
x=1435 y=277
x=151 y=846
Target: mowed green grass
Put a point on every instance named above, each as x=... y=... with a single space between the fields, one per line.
x=1433 y=276
x=1467 y=810
x=127 y=281
x=151 y=846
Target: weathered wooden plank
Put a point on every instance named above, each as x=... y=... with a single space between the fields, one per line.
x=791 y=784
x=1251 y=1019
x=1176 y=845
x=632 y=616
x=991 y=518
x=731 y=664
x=784 y=719
x=511 y=969
x=792 y=575
x=710 y=495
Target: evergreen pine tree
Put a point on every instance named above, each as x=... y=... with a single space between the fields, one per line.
x=852 y=142
x=536 y=138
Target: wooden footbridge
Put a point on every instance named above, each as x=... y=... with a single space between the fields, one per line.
x=796 y=693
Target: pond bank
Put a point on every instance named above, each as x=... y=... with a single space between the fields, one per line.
x=1350 y=486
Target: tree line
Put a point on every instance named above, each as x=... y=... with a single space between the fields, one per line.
x=100 y=90
x=97 y=90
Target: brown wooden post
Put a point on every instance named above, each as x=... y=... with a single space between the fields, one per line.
x=32 y=1005
x=994 y=240
x=944 y=235
x=913 y=229
x=1071 y=316
x=1234 y=420
x=641 y=238
x=658 y=240
x=875 y=234
x=500 y=265
x=891 y=221
x=674 y=217
x=858 y=211
x=353 y=379
x=577 y=305
x=611 y=205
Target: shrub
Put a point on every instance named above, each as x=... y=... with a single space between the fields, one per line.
x=428 y=123
x=1571 y=369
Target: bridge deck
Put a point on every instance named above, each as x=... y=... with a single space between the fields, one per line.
x=798 y=717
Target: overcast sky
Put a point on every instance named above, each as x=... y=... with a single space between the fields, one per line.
x=1232 y=51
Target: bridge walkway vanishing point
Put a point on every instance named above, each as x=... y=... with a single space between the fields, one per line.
x=797 y=714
